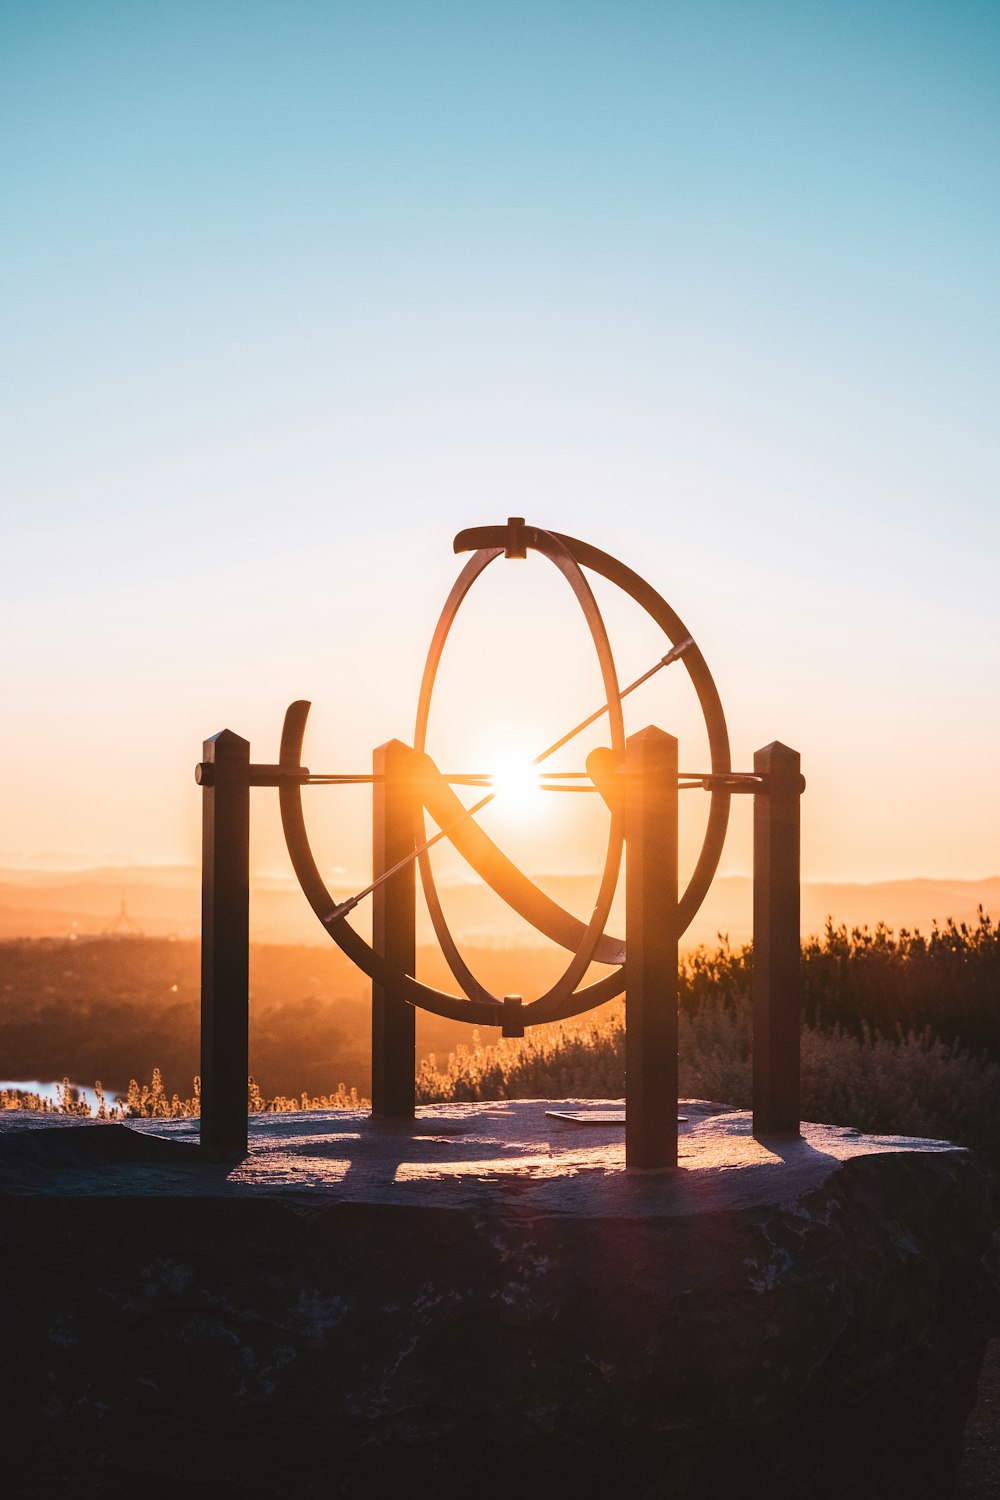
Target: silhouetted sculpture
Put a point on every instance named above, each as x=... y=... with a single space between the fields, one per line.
x=639 y=780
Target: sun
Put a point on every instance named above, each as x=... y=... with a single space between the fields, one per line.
x=515 y=784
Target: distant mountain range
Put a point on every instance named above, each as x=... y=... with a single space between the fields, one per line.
x=162 y=900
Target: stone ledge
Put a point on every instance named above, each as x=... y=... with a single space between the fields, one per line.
x=446 y=1157
x=485 y=1300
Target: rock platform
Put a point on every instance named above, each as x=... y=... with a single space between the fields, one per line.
x=483 y=1301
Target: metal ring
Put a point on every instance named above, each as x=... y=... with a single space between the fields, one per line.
x=561 y=1001
x=555 y=550
x=313 y=885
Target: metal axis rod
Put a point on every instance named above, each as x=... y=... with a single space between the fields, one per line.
x=343 y=907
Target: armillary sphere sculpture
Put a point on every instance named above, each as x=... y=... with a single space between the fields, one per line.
x=638 y=779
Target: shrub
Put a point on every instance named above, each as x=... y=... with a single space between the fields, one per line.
x=910 y=1083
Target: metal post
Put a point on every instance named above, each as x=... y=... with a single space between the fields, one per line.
x=225 y=883
x=650 y=781
x=393 y=930
x=776 y=942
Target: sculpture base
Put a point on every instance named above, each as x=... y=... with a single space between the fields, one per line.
x=483 y=1302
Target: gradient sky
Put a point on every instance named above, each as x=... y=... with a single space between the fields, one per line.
x=293 y=291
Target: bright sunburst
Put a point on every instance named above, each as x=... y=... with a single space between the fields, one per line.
x=515 y=783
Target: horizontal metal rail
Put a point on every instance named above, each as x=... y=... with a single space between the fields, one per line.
x=265 y=774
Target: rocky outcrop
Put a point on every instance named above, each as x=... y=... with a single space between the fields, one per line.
x=413 y=1314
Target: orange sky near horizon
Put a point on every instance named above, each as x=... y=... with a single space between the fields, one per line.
x=110 y=772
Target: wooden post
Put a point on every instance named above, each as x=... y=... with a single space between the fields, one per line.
x=225 y=934
x=393 y=930
x=650 y=781
x=776 y=942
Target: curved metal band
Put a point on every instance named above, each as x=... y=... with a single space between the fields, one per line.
x=350 y=942
x=451 y=1007
x=500 y=873
x=590 y=938
x=676 y=631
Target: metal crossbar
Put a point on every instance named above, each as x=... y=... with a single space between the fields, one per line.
x=688 y=780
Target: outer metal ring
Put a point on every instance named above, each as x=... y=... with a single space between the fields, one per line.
x=676 y=631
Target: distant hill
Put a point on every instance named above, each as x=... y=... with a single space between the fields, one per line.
x=165 y=901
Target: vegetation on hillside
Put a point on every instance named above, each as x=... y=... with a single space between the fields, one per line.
x=109 y=1007
x=912 y=1083
x=901 y=1034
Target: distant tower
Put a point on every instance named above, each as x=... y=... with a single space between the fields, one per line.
x=122 y=925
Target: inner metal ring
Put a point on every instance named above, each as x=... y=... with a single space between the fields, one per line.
x=546 y=1006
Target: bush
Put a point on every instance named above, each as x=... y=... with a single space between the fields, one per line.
x=911 y=1083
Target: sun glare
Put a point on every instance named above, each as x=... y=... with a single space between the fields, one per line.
x=515 y=783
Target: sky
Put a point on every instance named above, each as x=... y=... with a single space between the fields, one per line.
x=294 y=291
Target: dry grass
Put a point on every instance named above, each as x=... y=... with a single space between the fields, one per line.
x=150 y=1101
